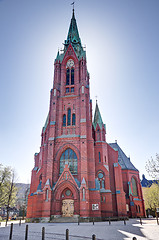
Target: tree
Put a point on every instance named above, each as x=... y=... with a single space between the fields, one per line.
x=152 y=167
x=23 y=203
x=151 y=197
x=7 y=188
x=11 y=194
x=5 y=175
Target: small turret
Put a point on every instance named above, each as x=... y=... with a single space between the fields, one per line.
x=98 y=125
x=97 y=118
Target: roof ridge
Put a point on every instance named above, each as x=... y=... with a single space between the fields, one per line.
x=123 y=160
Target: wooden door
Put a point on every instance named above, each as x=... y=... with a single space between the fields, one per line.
x=67 y=208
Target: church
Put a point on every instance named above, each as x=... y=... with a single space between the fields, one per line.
x=77 y=173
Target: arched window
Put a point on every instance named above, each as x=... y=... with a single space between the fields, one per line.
x=101 y=179
x=134 y=186
x=69 y=157
x=98 y=135
x=99 y=157
x=47 y=194
x=64 y=120
x=73 y=119
x=67 y=76
x=40 y=178
x=84 y=193
x=68 y=117
x=72 y=76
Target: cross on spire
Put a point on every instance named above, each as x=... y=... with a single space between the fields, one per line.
x=73 y=3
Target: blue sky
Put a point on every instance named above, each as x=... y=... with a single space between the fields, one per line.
x=122 y=44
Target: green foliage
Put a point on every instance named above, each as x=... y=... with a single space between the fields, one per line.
x=151 y=197
x=7 y=187
x=152 y=167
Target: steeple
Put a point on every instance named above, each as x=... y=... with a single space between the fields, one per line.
x=97 y=118
x=74 y=39
x=73 y=35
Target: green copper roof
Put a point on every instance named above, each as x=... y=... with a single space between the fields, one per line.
x=73 y=39
x=97 y=118
x=58 y=56
x=73 y=35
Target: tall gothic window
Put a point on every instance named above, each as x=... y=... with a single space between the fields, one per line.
x=40 y=178
x=68 y=117
x=99 y=157
x=98 y=135
x=84 y=194
x=101 y=179
x=73 y=119
x=69 y=157
x=134 y=186
x=47 y=194
x=72 y=76
x=67 y=76
x=64 y=120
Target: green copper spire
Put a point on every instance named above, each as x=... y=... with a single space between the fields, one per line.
x=97 y=118
x=58 y=56
x=73 y=39
x=73 y=35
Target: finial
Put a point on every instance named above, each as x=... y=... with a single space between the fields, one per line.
x=96 y=98
x=73 y=3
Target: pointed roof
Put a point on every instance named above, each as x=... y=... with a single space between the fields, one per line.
x=73 y=35
x=123 y=160
x=73 y=39
x=66 y=176
x=83 y=181
x=58 y=56
x=97 y=118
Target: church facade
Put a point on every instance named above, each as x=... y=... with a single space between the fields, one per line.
x=77 y=173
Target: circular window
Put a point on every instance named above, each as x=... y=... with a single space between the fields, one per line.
x=100 y=175
x=68 y=192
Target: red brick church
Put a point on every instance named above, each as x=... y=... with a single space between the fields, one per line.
x=77 y=173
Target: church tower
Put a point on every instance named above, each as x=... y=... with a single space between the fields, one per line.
x=76 y=172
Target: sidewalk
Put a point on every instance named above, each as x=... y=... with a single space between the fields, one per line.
x=3 y=224
x=103 y=231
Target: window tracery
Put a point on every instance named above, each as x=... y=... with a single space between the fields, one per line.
x=69 y=157
x=134 y=186
x=101 y=179
x=69 y=117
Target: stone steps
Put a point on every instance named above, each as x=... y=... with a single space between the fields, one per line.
x=65 y=220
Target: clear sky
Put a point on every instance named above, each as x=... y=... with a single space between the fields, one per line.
x=122 y=44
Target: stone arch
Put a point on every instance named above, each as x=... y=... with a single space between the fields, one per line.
x=57 y=196
x=64 y=147
x=58 y=154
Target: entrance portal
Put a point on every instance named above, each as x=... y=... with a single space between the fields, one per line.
x=67 y=208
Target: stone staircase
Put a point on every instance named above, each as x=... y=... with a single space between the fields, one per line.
x=73 y=219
